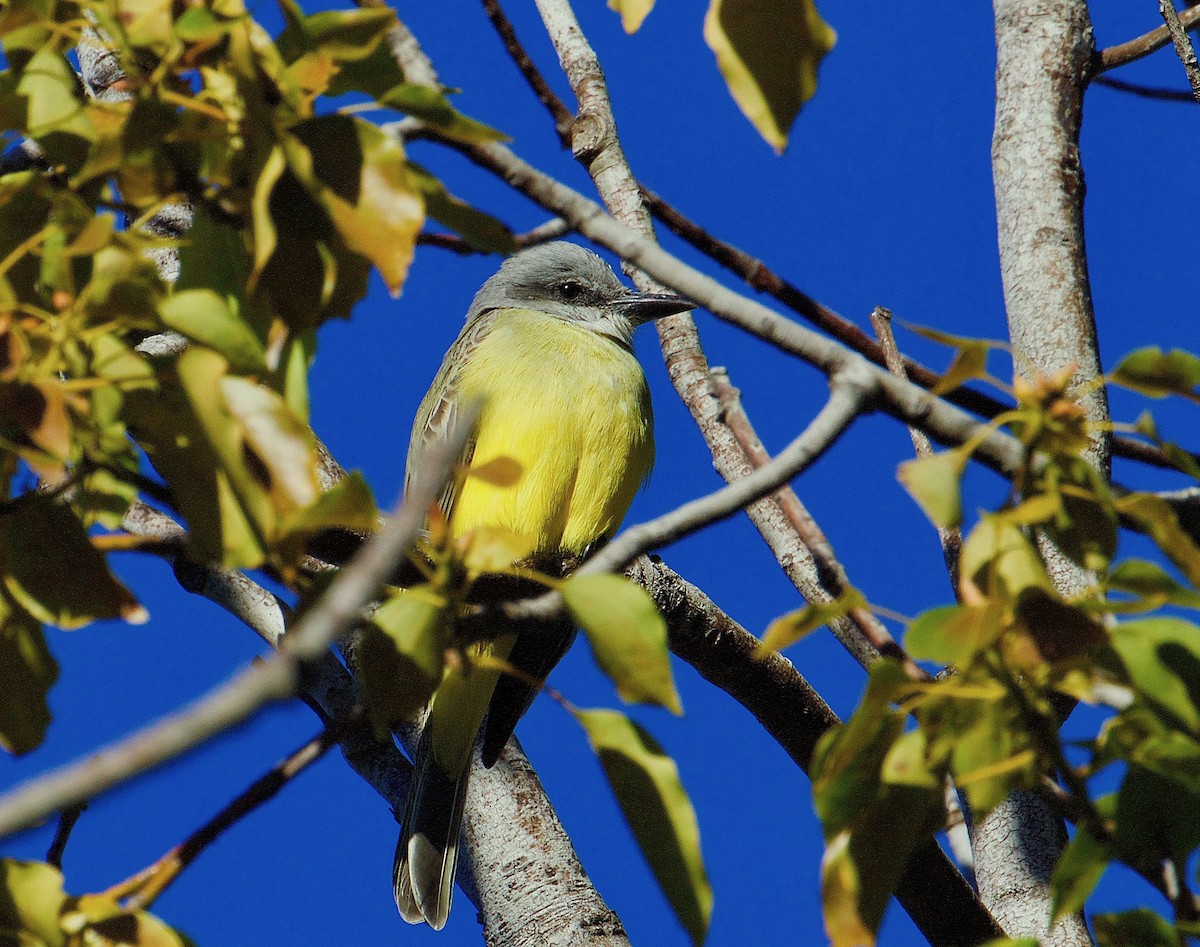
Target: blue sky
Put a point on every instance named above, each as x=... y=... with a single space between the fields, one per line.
x=883 y=198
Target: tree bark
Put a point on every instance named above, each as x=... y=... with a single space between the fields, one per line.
x=1044 y=52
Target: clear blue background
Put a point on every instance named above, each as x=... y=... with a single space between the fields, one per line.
x=884 y=198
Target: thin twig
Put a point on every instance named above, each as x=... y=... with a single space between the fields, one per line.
x=1143 y=91
x=850 y=394
x=1124 y=53
x=66 y=822
x=949 y=537
x=860 y=632
x=944 y=422
x=563 y=116
x=261 y=683
x=1183 y=45
x=155 y=880
x=551 y=230
x=759 y=276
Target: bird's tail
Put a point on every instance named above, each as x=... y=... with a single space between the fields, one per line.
x=427 y=852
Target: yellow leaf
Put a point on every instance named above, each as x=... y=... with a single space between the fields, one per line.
x=627 y=634
x=647 y=786
x=790 y=628
x=492 y=548
x=935 y=482
x=633 y=12
x=768 y=51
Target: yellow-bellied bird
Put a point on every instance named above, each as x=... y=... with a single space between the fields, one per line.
x=546 y=351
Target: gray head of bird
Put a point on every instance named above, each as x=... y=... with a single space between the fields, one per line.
x=573 y=284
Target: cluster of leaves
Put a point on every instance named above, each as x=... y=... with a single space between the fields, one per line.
x=1020 y=651
x=36 y=912
x=420 y=632
x=768 y=53
x=291 y=209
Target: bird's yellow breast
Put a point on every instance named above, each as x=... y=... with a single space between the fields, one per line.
x=572 y=408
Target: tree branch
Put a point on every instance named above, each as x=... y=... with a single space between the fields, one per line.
x=1124 y=53
x=936 y=896
x=1044 y=55
x=1145 y=92
x=850 y=393
x=1183 y=45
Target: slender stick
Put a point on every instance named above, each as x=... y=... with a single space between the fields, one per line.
x=949 y=537
x=1145 y=92
x=848 y=395
x=1183 y=45
x=154 y=880
x=563 y=117
x=1124 y=53
x=66 y=822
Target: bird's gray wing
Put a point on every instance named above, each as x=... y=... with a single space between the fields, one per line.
x=440 y=407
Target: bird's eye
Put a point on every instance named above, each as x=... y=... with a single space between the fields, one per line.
x=570 y=289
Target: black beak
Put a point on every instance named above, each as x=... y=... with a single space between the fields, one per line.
x=646 y=307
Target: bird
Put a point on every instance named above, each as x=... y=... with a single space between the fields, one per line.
x=546 y=351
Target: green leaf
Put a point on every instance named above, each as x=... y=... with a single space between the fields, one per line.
x=53 y=571
x=862 y=866
x=1140 y=927
x=1157 y=374
x=343 y=35
x=359 y=175
x=1084 y=526
x=348 y=503
x=1056 y=630
x=281 y=443
x=953 y=634
x=57 y=116
x=1078 y=871
x=480 y=230
x=935 y=482
x=969 y=362
x=203 y=316
x=627 y=634
x=647 y=787
x=1151 y=583
x=31 y=896
x=768 y=53
x=633 y=13
x=907 y=763
x=790 y=628
x=400 y=656
x=1162 y=657
x=178 y=446
x=433 y=107
x=1155 y=516
x=998 y=559
x=27 y=671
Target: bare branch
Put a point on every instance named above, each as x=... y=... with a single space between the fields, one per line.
x=1183 y=45
x=949 y=537
x=1044 y=56
x=935 y=895
x=154 y=880
x=66 y=823
x=250 y=689
x=550 y=230
x=1142 y=46
x=1145 y=92
x=563 y=118
x=850 y=393
x=804 y=552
